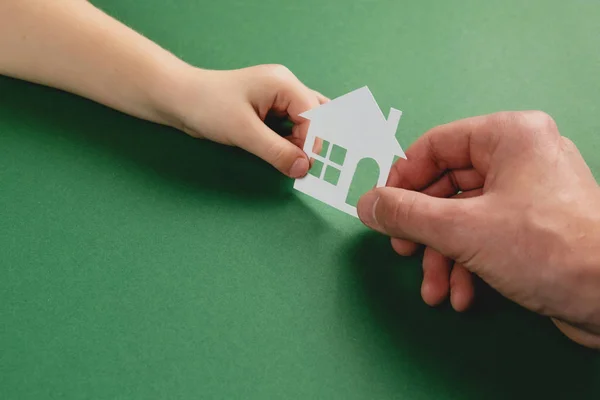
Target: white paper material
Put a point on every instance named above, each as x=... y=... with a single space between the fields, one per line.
x=354 y=122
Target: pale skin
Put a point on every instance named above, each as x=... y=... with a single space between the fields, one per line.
x=73 y=46
x=526 y=221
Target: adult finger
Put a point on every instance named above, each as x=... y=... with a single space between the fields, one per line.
x=462 y=144
x=454 y=181
x=407 y=248
x=469 y=194
x=404 y=247
x=462 y=291
x=444 y=224
x=436 y=274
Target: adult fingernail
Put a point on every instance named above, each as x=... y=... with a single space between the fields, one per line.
x=299 y=168
x=366 y=209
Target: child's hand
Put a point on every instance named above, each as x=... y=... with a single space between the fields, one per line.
x=81 y=50
x=229 y=107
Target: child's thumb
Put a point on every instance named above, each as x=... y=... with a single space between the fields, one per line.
x=443 y=224
x=288 y=158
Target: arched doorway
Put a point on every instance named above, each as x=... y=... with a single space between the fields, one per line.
x=364 y=179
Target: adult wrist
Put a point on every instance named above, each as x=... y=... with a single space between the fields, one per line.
x=582 y=322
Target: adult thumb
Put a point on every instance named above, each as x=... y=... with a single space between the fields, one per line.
x=443 y=224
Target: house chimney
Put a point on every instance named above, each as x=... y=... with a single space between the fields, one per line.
x=393 y=120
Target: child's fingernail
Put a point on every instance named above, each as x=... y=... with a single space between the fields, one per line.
x=299 y=168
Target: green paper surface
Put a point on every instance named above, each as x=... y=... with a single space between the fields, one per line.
x=139 y=263
x=338 y=155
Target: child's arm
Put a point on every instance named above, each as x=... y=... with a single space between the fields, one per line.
x=73 y=46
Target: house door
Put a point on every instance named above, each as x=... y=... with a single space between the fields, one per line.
x=364 y=179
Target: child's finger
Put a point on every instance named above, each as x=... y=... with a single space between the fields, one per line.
x=317 y=146
x=299 y=132
x=297 y=98
x=261 y=141
x=322 y=99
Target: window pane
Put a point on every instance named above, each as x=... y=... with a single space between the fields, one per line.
x=317 y=167
x=338 y=154
x=320 y=147
x=332 y=175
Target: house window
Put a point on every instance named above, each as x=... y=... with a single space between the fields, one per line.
x=328 y=162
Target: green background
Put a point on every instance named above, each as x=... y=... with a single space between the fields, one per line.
x=138 y=263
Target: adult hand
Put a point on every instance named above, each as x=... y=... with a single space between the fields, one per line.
x=506 y=197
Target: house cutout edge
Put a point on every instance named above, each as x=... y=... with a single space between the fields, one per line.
x=355 y=123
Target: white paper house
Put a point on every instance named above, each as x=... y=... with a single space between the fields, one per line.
x=354 y=123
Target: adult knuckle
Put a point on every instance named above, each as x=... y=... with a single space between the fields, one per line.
x=503 y=121
x=530 y=129
x=433 y=151
x=539 y=122
x=400 y=211
x=410 y=201
x=533 y=121
x=567 y=144
x=566 y=141
x=385 y=210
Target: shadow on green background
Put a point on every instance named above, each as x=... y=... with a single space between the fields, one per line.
x=488 y=350
x=153 y=151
